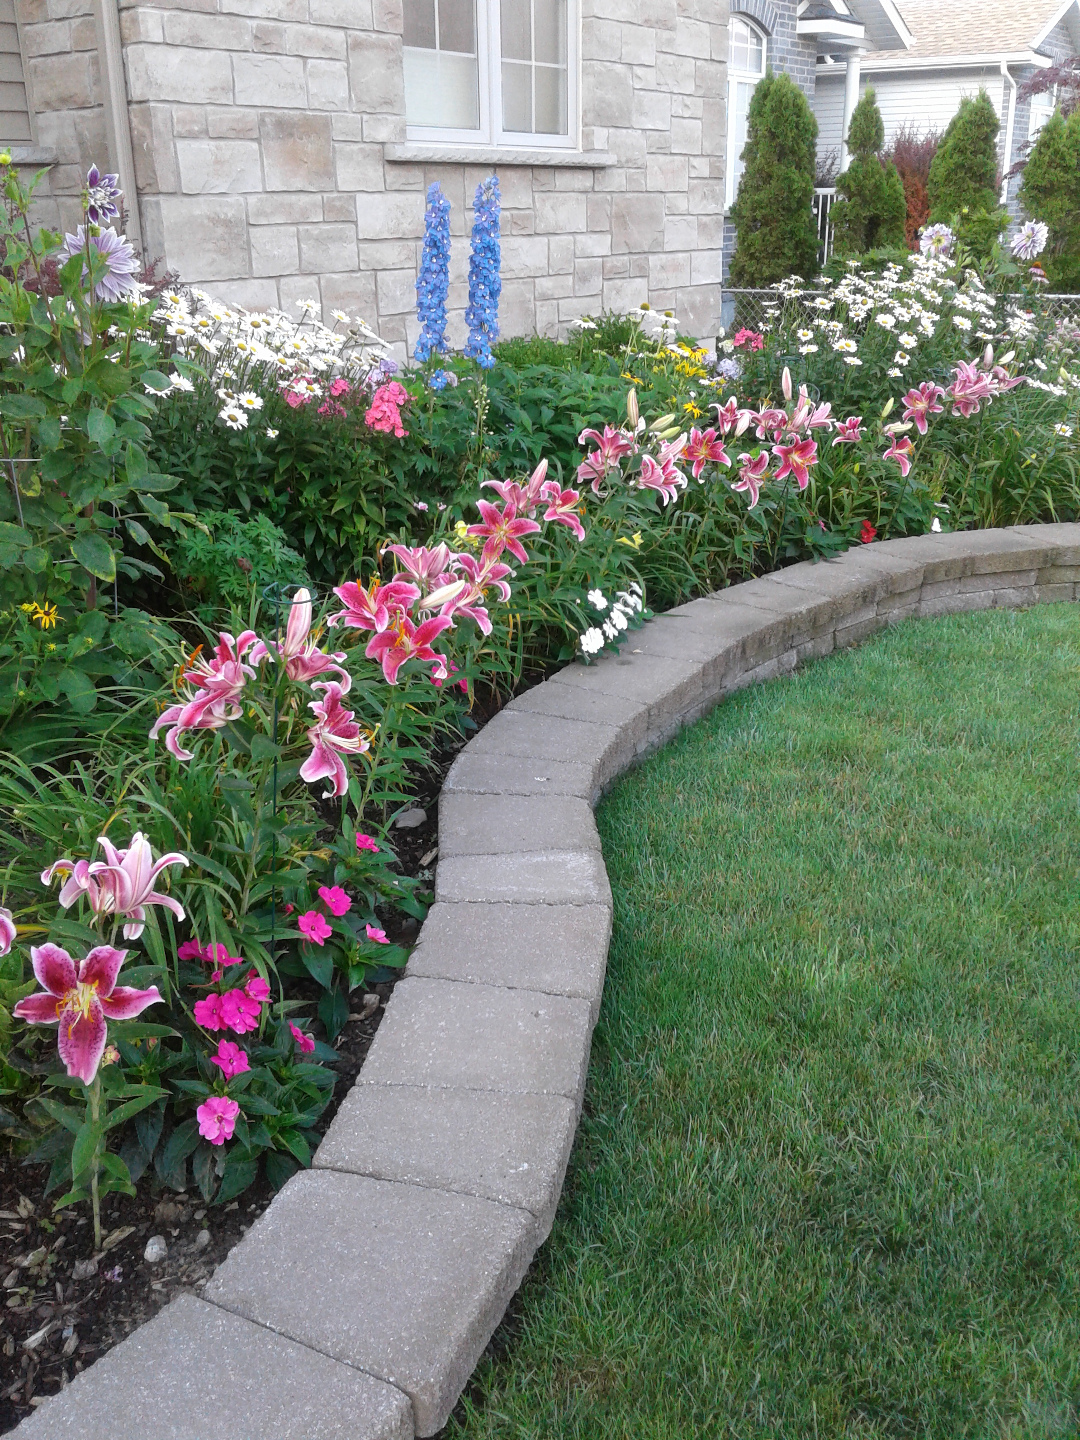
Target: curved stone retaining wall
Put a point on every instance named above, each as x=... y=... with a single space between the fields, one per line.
x=358 y=1305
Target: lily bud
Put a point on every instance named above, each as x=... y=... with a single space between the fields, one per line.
x=745 y=416
x=662 y=423
x=537 y=476
x=443 y=595
x=888 y=407
x=785 y=383
x=988 y=356
x=633 y=414
x=1009 y=355
x=668 y=434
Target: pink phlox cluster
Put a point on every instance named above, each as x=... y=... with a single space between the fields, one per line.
x=750 y=338
x=385 y=411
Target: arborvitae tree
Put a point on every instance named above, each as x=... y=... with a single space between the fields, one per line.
x=871 y=211
x=776 y=234
x=964 y=170
x=1050 y=191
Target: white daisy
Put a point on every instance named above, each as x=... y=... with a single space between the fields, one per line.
x=233 y=417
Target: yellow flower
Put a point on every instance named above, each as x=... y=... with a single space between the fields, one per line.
x=5 y=157
x=28 y=608
x=635 y=542
x=45 y=615
x=692 y=409
x=50 y=647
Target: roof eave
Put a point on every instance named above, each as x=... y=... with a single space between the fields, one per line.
x=954 y=62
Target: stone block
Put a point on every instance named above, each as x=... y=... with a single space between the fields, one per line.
x=295 y=10
x=524 y=255
x=220 y=167
x=667 y=272
x=297 y=153
x=404 y=1283
x=505 y=775
x=284 y=209
x=204 y=237
x=197 y=1372
x=666 y=173
x=66 y=82
x=273 y=250
x=207 y=32
x=569 y=702
x=637 y=223
x=558 y=949
x=172 y=72
x=490 y=824
x=318 y=42
x=638 y=45
x=376 y=76
x=670 y=686
x=352 y=292
x=509 y=1148
x=347 y=14
x=135 y=25
x=270 y=81
x=231 y=123
x=1063 y=540
x=607 y=94
x=532 y=738
x=152 y=148
x=396 y=291
x=547 y=877
x=394 y=216
x=999 y=580
x=560 y=213
x=189 y=122
x=327 y=247
x=269 y=38
x=328 y=84
x=976 y=552
x=481 y=1037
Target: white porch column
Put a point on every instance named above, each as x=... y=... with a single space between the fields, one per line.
x=851 y=99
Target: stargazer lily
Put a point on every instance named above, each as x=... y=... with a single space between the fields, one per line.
x=375 y=607
x=218 y=684
x=335 y=733
x=406 y=641
x=300 y=655
x=81 y=999
x=122 y=884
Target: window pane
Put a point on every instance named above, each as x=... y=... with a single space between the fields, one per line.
x=457 y=26
x=755 y=49
x=441 y=90
x=550 y=100
x=420 y=23
x=517 y=97
x=516 y=30
x=549 y=21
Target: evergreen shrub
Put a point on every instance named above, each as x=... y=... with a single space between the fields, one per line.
x=871 y=210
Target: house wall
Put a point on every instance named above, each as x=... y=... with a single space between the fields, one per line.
x=259 y=126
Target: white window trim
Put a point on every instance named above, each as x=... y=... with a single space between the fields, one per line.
x=489 y=53
x=733 y=77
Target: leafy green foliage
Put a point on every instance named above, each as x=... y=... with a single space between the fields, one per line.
x=773 y=215
x=230 y=558
x=1050 y=191
x=871 y=210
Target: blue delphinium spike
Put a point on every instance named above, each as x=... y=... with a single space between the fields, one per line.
x=485 y=283
x=433 y=280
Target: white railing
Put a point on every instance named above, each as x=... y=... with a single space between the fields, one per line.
x=823 y=203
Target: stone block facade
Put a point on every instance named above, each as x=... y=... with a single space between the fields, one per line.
x=270 y=153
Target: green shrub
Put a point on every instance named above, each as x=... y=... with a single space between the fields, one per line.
x=773 y=213
x=233 y=557
x=1050 y=191
x=962 y=188
x=872 y=209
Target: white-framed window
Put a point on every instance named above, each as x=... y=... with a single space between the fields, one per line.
x=491 y=72
x=747 y=57
x=1042 y=107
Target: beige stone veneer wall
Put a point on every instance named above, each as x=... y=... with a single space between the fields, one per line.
x=261 y=131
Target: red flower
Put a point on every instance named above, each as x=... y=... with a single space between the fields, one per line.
x=867 y=533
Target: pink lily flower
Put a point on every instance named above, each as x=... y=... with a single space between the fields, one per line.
x=653 y=476
x=81 y=1000
x=999 y=380
x=301 y=656
x=335 y=899
x=612 y=447
x=406 y=641
x=900 y=450
x=122 y=884
x=562 y=507
x=968 y=388
x=230 y=1059
x=524 y=498
x=335 y=733
x=314 y=927
x=502 y=530
x=796 y=460
x=304 y=1043
x=703 y=448
x=848 y=432
x=821 y=417
x=7 y=930
x=217 y=1118
x=770 y=424
x=923 y=402
x=427 y=567
x=375 y=607
x=751 y=472
x=481 y=576
x=731 y=419
x=218 y=684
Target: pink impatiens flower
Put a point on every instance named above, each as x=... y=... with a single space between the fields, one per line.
x=335 y=899
x=335 y=733
x=313 y=926
x=80 y=1000
x=230 y=1059
x=379 y=936
x=365 y=842
x=240 y=1012
x=257 y=988
x=217 y=1119
x=207 y=1012
x=122 y=884
x=304 y=1043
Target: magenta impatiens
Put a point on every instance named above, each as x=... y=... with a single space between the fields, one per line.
x=217 y=1119
x=314 y=928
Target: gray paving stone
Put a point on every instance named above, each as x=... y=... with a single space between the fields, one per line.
x=510 y=1148
x=197 y=1372
x=1063 y=539
x=495 y=824
x=560 y=949
x=481 y=1037
x=1000 y=580
x=662 y=682
x=974 y=552
x=545 y=737
x=548 y=877
x=474 y=774
x=402 y=1282
x=570 y=703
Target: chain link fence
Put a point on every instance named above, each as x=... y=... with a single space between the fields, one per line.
x=752 y=309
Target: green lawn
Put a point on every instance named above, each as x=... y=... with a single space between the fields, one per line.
x=827 y=1181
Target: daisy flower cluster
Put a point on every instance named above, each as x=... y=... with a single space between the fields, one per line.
x=245 y=353
x=615 y=617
